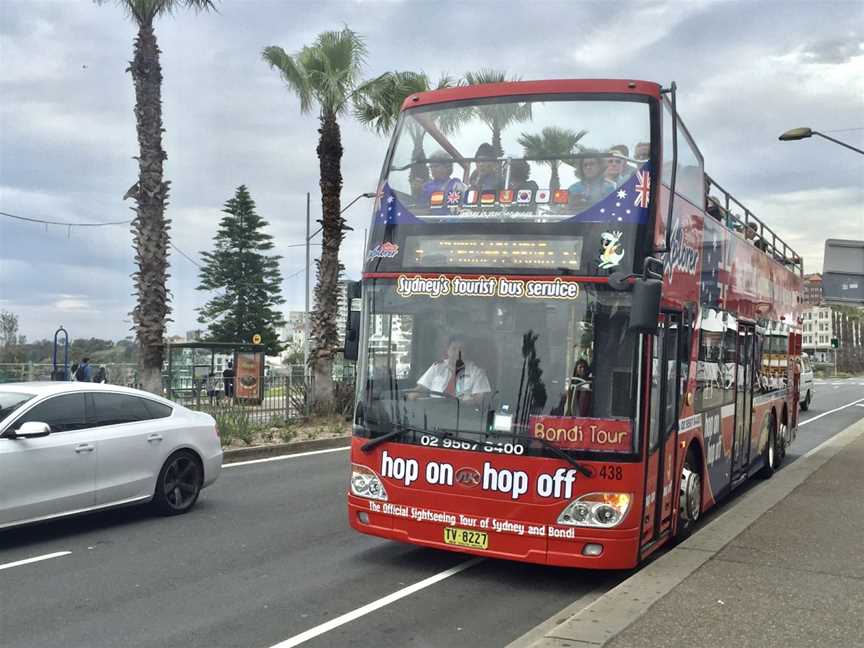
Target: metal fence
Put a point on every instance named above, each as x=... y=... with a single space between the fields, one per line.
x=117 y=374
x=283 y=395
x=283 y=398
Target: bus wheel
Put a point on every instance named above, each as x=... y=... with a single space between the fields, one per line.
x=772 y=455
x=690 y=501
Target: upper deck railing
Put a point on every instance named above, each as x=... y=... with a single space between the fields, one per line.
x=763 y=237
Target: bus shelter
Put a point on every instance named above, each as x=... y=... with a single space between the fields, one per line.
x=196 y=370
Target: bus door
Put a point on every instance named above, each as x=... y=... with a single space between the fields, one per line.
x=660 y=477
x=743 y=400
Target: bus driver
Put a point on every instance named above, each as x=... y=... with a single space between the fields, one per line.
x=454 y=375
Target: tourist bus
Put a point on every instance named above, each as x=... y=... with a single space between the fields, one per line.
x=554 y=366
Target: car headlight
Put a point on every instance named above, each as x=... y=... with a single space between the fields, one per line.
x=602 y=510
x=365 y=483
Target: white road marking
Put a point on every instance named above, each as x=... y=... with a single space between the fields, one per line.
x=282 y=457
x=296 y=640
x=842 y=407
x=27 y=561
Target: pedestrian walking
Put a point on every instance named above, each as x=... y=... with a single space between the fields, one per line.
x=228 y=380
x=84 y=373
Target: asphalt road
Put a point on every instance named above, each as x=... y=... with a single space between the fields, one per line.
x=267 y=555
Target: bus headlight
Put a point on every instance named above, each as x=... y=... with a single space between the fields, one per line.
x=603 y=510
x=365 y=483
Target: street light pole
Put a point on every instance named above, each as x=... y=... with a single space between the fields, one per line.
x=306 y=317
x=803 y=133
x=309 y=238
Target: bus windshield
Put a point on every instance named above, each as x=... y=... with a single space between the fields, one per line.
x=521 y=159
x=468 y=357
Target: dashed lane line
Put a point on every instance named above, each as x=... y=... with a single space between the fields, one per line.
x=34 y=559
x=303 y=637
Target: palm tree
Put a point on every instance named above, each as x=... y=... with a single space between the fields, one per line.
x=150 y=227
x=554 y=144
x=325 y=74
x=497 y=115
x=378 y=103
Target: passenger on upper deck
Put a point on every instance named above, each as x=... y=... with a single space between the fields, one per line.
x=617 y=169
x=441 y=168
x=593 y=186
x=487 y=175
x=642 y=151
x=519 y=172
x=751 y=233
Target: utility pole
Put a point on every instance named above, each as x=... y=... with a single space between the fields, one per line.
x=306 y=327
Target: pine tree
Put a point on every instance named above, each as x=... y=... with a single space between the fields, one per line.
x=248 y=279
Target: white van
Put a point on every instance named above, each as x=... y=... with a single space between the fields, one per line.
x=806 y=386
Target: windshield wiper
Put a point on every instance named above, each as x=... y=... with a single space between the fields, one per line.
x=399 y=431
x=548 y=446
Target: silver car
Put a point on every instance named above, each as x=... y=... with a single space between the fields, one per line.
x=74 y=447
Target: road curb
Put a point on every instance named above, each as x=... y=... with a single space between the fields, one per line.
x=609 y=615
x=261 y=452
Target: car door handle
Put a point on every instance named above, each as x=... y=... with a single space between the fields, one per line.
x=154 y=437
x=85 y=447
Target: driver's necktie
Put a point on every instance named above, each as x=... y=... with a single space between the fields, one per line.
x=451 y=385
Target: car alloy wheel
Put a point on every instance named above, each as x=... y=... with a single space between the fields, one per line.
x=179 y=483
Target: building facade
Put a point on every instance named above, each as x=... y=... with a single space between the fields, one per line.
x=813 y=289
x=817 y=333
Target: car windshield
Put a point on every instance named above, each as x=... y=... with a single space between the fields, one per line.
x=11 y=401
x=507 y=159
x=492 y=354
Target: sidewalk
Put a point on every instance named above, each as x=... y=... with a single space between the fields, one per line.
x=784 y=568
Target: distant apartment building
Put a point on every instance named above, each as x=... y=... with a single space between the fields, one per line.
x=817 y=333
x=813 y=289
x=293 y=334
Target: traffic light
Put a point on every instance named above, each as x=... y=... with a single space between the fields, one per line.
x=835 y=343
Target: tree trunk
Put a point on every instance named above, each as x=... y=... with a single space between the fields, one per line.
x=554 y=181
x=150 y=228
x=496 y=139
x=325 y=337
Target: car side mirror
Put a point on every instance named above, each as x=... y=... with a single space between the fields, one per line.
x=645 y=311
x=352 y=324
x=32 y=430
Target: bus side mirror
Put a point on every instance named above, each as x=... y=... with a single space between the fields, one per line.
x=352 y=322
x=645 y=311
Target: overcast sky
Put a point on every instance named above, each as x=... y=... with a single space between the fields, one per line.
x=746 y=71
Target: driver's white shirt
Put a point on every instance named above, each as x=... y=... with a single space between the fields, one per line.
x=472 y=382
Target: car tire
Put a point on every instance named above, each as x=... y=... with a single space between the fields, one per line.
x=179 y=483
x=805 y=404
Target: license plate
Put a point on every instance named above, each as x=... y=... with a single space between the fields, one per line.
x=466 y=538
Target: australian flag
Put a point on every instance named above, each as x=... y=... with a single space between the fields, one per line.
x=627 y=204
x=391 y=210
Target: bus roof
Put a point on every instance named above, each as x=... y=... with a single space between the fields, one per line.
x=551 y=86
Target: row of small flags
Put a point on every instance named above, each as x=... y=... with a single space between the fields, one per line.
x=503 y=197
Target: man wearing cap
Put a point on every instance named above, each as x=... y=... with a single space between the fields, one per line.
x=617 y=169
x=441 y=168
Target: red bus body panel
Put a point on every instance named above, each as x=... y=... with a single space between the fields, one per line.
x=478 y=509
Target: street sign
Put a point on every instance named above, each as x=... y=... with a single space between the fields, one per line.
x=843 y=272
x=256 y=339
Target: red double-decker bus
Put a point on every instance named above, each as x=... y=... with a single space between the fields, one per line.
x=567 y=350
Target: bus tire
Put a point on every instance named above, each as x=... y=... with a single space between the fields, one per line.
x=772 y=455
x=690 y=498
